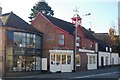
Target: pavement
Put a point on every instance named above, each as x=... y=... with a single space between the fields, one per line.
x=71 y=75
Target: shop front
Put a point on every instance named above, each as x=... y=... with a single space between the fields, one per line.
x=23 y=53
x=61 y=60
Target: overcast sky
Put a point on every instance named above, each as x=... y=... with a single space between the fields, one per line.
x=104 y=13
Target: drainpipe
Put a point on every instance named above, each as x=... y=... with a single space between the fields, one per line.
x=96 y=51
x=110 y=57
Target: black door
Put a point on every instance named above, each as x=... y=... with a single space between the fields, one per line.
x=102 y=62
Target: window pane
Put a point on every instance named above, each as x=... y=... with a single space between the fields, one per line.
x=90 y=59
x=61 y=39
x=61 y=42
x=37 y=63
x=78 y=39
x=57 y=59
x=18 y=63
x=26 y=63
x=68 y=59
x=28 y=40
x=52 y=58
x=64 y=59
x=94 y=60
x=77 y=60
x=29 y=63
x=61 y=36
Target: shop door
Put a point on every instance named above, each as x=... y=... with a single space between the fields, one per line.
x=55 y=63
x=102 y=62
x=58 y=63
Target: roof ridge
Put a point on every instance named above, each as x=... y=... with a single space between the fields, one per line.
x=15 y=21
x=57 y=18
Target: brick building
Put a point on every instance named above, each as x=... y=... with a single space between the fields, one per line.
x=20 y=46
x=58 y=44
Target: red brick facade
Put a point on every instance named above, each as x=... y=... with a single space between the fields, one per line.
x=51 y=35
x=51 y=39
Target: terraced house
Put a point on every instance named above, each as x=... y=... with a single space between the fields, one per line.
x=20 y=46
x=58 y=44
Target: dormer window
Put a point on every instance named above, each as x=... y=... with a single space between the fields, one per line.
x=106 y=48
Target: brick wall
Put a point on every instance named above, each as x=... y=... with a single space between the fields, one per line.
x=51 y=35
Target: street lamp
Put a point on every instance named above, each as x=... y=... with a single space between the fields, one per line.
x=77 y=21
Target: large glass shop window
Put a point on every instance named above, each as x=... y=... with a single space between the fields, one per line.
x=27 y=40
x=26 y=46
x=26 y=63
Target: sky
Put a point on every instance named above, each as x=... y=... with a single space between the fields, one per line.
x=104 y=13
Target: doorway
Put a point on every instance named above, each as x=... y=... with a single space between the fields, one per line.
x=102 y=62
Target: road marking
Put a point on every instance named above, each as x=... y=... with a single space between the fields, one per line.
x=96 y=75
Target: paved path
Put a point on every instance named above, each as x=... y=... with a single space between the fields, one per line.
x=112 y=72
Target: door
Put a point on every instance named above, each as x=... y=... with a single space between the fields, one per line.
x=58 y=64
x=102 y=61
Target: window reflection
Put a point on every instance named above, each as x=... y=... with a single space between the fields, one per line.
x=61 y=39
x=27 y=40
x=63 y=59
x=68 y=59
x=26 y=63
x=57 y=59
x=77 y=60
x=52 y=58
x=26 y=52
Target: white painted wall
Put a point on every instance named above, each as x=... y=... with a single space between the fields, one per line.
x=119 y=60
x=44 y=63
x=104 y=55
x=110 y=56
x=92 y=66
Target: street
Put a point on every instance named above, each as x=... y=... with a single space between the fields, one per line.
x=111 y=73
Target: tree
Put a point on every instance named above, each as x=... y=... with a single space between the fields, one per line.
x=42 y=7
x=117 y=45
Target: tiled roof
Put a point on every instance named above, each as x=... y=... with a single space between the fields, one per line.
x=69 y=27
x=12 y=20
x=88 y=34
x=102 y=39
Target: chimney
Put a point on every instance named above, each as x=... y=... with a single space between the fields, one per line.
x=0 y=16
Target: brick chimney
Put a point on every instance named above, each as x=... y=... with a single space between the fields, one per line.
x=0 y=16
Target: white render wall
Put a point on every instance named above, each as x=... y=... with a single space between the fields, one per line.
x=110 y=56
x=119 y=60
x=104 y=55
x=116 y=58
